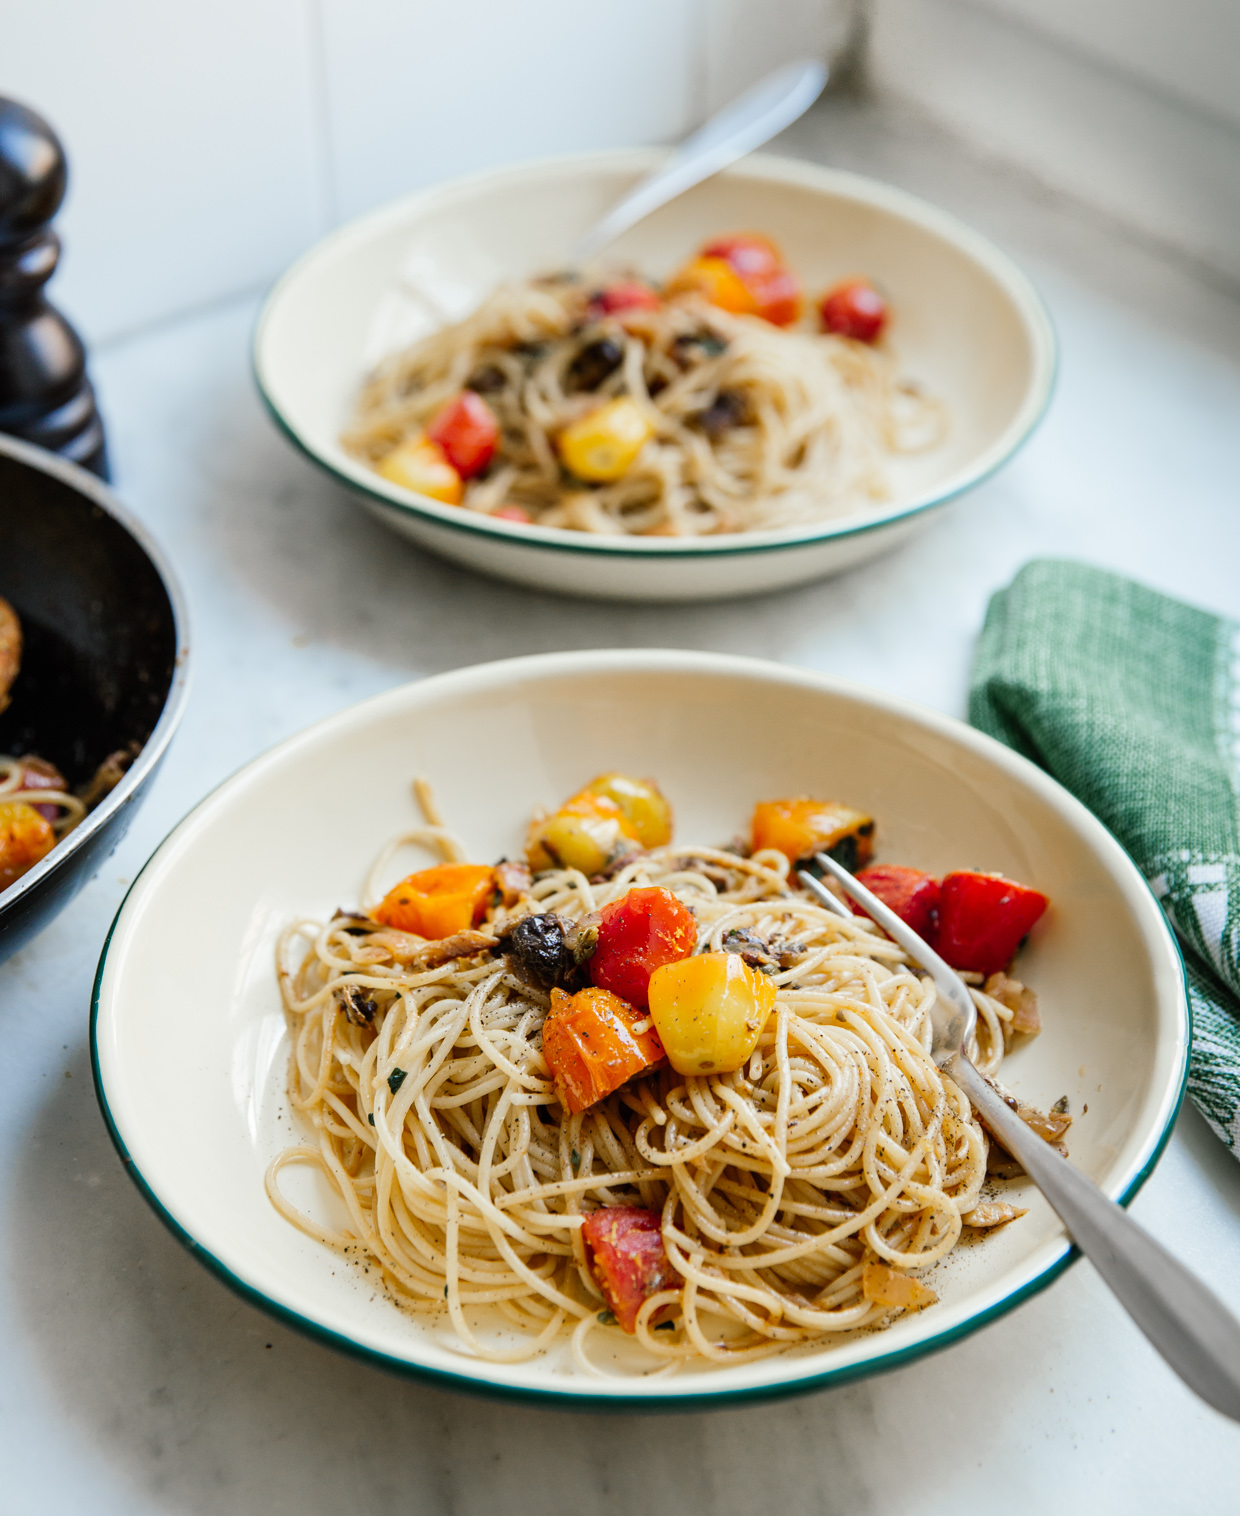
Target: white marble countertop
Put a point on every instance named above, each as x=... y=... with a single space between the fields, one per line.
x=133 y=1382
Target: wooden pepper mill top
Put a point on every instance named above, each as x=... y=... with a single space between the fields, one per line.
x=45 y=396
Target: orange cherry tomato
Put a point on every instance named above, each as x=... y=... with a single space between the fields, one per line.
x=854 y=309
x=26 y=838
x=774 y=289
x=591 y=1048
x=799 y=828
x=637 y=934
x=438 y=902
x=717 y=281
x=467 y=431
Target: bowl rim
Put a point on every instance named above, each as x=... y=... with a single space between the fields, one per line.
x=761 y=167
x=85 y=483
x=480 y=677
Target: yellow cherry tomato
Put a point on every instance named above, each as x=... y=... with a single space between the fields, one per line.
x=422 y=465
x=602 y=446
x=585 y=833
x=640 y=802
x=802 y=827
x=709 y=1011
x=26 y=837
x=717 y=281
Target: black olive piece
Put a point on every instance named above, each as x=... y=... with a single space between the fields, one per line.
x=696 y=346
x=595 y=362
x=487 y=380
x=750 y=948
x=359 y=1009
x=728 y=409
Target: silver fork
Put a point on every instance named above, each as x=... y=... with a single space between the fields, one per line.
x=1187 y=1323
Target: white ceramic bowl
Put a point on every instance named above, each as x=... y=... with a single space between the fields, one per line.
x=967 y=323
x=189 y=1037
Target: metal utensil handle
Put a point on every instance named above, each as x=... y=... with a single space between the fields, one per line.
x=1184 y=1319
x=772 y=104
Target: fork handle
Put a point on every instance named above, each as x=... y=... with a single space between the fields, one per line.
x=1185 y=1321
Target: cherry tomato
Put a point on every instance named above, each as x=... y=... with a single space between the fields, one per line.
x=854 y=309
x=438 y=902
x=717 y=281
x=983 y=918
x=912 y=895
x=513 y=513
x=625 y=295
x=420 y=464
x=749 y=253
x=799 y=828
x=25 y=839
x=467 y=431
x=778 y=297
x=590 y=1046
x=603 y=445
x=624 y=1247
x=637 y=934
x=774 y=290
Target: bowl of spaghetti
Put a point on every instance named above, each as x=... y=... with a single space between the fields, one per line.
x=775 y=377
x=531 y=1076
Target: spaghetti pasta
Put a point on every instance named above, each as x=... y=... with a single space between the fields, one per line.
x=750 y=425
x=837 y=1149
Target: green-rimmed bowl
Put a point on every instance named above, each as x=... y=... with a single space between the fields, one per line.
x=188 y=1034
x=967 y=324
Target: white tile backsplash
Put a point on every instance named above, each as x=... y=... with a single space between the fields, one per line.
x=189 y=130
x=209 y=144
x=419 y=91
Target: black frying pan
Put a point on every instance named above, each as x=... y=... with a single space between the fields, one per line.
x=103 y=665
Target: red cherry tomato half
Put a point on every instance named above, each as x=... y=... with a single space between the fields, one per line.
x=983 y=918
x=627 y=295
x=637 y=934
x=778 y=297
x=624 y=1246
x=854 y=309
x=749 y=254
x=912 y=895
x=467 y=431
x=513 y=513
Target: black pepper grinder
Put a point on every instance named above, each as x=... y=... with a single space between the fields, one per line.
x=45 y=396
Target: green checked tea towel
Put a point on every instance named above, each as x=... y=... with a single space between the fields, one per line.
x=1132 y=701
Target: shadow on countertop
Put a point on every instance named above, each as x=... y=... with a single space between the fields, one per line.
x=199 y=1403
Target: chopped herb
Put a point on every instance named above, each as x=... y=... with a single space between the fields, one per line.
x=665 y=1326
x=370 y=1116
x=445 y=1292
x=576 y=1157
x=607 y=1318
x=396 y=1078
